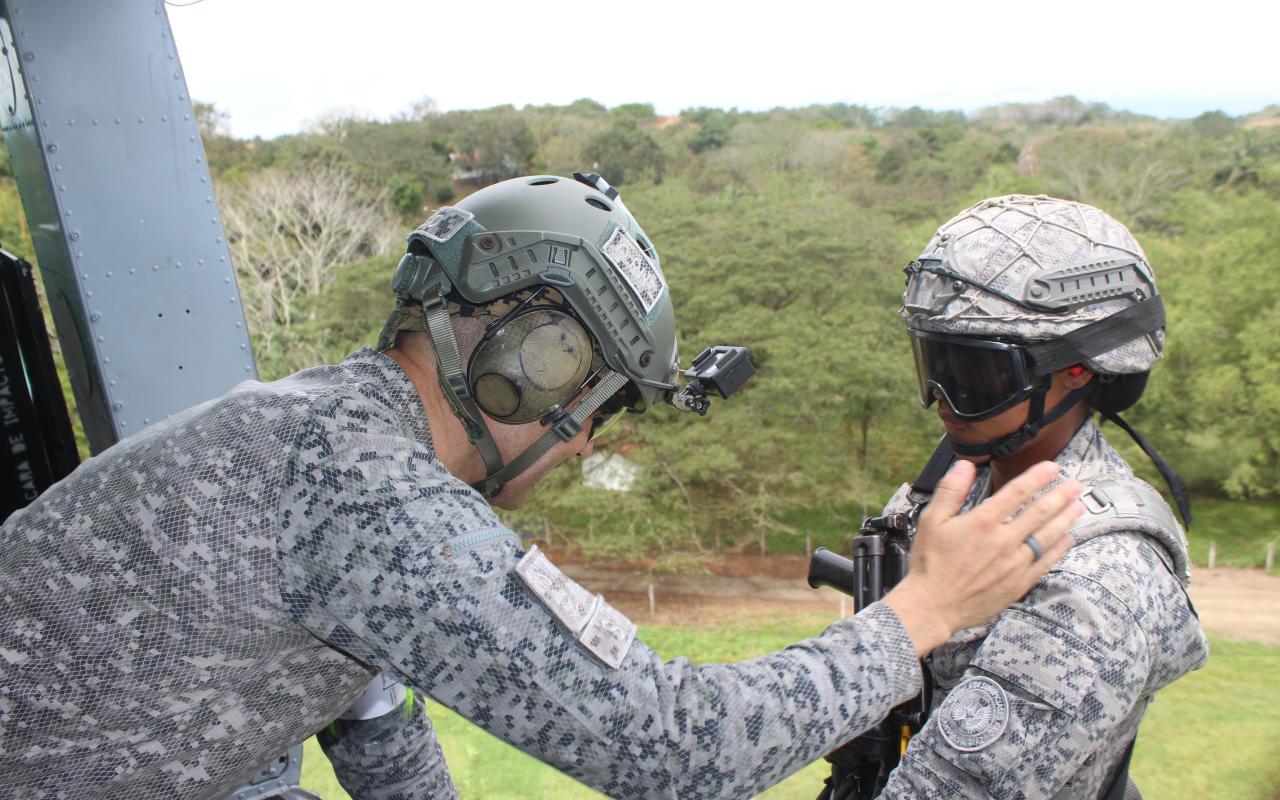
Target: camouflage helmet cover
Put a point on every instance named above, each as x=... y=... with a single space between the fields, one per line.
x=1022 y=247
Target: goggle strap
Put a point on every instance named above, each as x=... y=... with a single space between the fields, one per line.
x=609 y=384
x=1035 y=415
x=1140 y=319
x=453 y=381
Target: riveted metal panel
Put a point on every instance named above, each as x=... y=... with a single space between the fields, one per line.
x=112 y=172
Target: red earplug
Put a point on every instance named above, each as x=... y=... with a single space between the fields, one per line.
x=1076 y=371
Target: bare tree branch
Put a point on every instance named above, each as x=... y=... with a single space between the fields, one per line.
x=288 y=231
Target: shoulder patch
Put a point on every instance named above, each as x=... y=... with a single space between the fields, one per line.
x=974 y=715
x=571 y=604
x=609 y=634
x=598 y=626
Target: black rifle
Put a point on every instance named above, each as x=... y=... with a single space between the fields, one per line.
x=860 y=768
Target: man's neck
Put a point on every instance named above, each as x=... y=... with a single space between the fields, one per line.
x=453 y=448
x=1045 y=447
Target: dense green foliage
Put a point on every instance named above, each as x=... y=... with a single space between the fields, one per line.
x=1239 y=530
x=1233 y=702
x=785 y=231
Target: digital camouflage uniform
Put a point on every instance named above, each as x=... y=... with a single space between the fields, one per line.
x=222 y=585
x=1043 y=701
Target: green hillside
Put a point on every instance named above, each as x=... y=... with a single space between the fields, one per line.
x=786 y=231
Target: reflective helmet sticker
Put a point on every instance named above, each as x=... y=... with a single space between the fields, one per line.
x=443 y=224
x=635 y=267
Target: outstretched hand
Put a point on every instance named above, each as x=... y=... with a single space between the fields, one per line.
x=966 y=569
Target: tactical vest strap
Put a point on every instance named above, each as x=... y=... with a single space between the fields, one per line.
x=1118 y=506
x=1125 y=499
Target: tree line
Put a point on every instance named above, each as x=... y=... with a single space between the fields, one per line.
x=786 y=231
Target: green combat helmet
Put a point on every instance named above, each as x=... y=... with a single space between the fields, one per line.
x=1014 y=289
x=582 y=304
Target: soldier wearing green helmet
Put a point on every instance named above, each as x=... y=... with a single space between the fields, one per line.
x=587 y=311
x=236 y=578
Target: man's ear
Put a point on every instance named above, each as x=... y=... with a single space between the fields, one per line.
x=1076 y=376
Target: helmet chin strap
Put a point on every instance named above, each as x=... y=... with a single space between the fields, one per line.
x=1037 y=420
x=563 y=427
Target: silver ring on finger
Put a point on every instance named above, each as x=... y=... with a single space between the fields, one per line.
x=1030 y=541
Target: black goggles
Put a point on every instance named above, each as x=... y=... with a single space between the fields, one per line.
x=976 y=378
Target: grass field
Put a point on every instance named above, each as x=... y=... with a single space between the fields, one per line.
x=1214 y=734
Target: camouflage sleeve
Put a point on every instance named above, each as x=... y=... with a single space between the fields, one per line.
x=392 y=757
x=390 y=559
x=1054 y=693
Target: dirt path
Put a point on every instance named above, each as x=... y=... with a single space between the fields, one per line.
x=1241 y=604
x=1238 y=603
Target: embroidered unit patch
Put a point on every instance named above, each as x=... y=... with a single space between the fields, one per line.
x=974 y=715
x=600 y=627
x=571 y=604
x=609 y=634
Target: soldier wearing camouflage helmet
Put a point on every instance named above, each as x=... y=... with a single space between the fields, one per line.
x=220 y=586
x=1025 y=315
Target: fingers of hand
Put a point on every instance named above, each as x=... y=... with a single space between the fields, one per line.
x=1053 y=539
x=1016 y=492
x=1046 y=522
x=1054 y=543
x=1043 y=511
x=951 y=493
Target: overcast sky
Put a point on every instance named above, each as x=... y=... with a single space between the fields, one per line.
x=277 y=65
